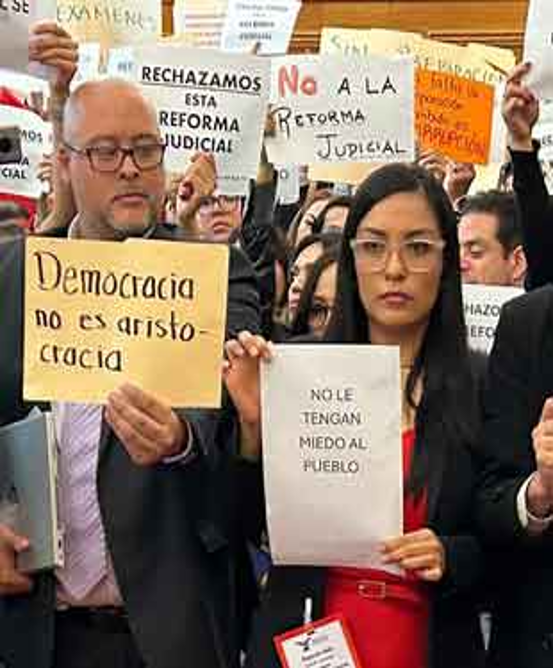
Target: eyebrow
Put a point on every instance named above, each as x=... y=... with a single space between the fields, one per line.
x=110 y=138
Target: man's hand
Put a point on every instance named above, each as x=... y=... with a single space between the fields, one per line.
x=520 y=109
x=539 y=492
x=199 y=181
x=420 y=552
x=11 y=580
x=433 y=162
x=50 y=44
x=458 y=179
x=148 y=428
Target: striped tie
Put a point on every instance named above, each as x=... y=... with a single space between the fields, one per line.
x=78 y=428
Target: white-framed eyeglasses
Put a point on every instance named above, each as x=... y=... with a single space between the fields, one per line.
x=418 y=255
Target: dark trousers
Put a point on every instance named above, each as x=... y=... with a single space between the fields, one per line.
x=84 y=641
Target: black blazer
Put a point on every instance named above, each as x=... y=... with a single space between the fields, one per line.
x=169 y=529
x=454 y=633
x=519 y=382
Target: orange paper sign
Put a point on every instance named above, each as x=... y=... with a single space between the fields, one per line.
x=454 y=116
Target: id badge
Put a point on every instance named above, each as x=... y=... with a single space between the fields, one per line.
x=322 y=644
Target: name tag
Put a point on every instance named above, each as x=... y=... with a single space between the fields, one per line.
x=322 y=644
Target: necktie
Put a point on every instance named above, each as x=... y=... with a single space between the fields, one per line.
x=79 y=427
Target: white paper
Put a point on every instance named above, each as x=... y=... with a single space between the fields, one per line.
x=333 y=491
x=482 y=306
x=288 y=184
x=24 y=85
x=200 y=22
x=330 y=108
x=36 y=140
x=538 y=47
x=208 y=101
x=269 y=24
x=88 y=68
x=543 y=133
x=121 y=62
x=16 y=17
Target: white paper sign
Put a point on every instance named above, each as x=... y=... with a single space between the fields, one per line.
x=269 y=24
x=288 y=184
x=332 y=447
x=88 y=68
x=338 y=109
x=538 y=47
x=543 y=131
x=121 y=62
x=36 y=140
x=482 y=306
x=16 y=17
x=200 y=22
x=208 y=101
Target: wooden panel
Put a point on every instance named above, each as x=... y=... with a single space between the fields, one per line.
x=494 y=22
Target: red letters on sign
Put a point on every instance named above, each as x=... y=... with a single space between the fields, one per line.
x=290 y=79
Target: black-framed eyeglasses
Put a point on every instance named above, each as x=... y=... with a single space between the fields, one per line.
x=108 y=158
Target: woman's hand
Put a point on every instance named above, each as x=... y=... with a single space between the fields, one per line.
x=420 y=552
x=241 y=374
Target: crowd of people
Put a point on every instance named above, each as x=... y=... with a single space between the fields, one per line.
x=167 y=558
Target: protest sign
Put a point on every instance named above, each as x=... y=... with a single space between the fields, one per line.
x=25 y=86
x=332 y=453
x=503 y=60
x=544 y=129
x=208 y=101
x=454 y=116
x=36 y=139
x=89 y=63
x=428 y=54
x=482 y=306
x=16 y=17
x=111 y=22
x=199 y=23
x=288 y=184
x=538 y=47
x=268 y=24
x=336 y=109
x=121 y=62
x=100 y=313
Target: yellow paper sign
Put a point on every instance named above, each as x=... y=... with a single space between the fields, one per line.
x=100 y=313
x=454 y=116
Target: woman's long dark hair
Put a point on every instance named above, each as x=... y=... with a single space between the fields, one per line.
x=301 y=323
x=446 y=415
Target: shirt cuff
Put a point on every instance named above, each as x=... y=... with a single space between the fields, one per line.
x=527 y=520
x=186 y=454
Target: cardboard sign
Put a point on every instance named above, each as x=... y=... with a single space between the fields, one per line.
x=454 y=116
x=335 y=109
x=482 y=306
x=208 y=101
x=250 y=22
x=98 y=314
x=36 y=140
x=16 y=17
x=111 y=22
x=331 y=445
x=538 y=47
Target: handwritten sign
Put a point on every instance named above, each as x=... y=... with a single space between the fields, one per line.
x=208 y=101
x=332 y=446
x=482 y=306
x=538 y=47
x=16 y=17
x=270 y=25
x=428 y=54
x=334 y=109
x=543 y=134
x=111 y=22
x=121 y=62
x=101 y=313
x=36 y=140
x=199 y=23
x=454 y=116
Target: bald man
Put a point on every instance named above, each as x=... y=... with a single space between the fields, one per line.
x=151 y=570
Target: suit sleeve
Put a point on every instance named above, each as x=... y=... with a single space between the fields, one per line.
x=535 y=205
x=505 y=450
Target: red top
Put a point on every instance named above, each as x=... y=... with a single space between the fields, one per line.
x=387 y=614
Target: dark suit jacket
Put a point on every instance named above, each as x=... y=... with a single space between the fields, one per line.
x=169 y=529
x=454 y=634
x=520 y=380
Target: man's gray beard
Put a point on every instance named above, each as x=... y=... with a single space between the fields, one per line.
x=135 y=230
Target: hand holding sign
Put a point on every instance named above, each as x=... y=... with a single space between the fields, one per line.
x=148 y=428
x=51 y=45
x=520 y=109
x=241 y=373
x=419 y=551
x=11 y=580
x=542 y=445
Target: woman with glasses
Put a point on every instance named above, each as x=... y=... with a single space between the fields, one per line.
x=398 y=284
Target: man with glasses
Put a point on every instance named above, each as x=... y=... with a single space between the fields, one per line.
x=151 y=562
